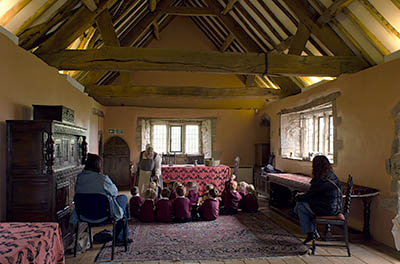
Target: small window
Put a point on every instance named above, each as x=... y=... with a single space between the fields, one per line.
x=160 y=138
x=176 y=138
x=192 y=139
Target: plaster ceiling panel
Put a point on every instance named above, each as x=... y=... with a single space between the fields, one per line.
x=390 y=41
x=260 y=22
x=23 y=15
x=353 y=29
x=269 y=18
x=262 y=44
x=389 y=11
x=283 y=18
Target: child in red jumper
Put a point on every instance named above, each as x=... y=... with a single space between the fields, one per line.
x=181 y=206
x=135 y=202
x=147 y=208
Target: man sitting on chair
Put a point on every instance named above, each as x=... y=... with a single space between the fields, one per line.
x=91 y=180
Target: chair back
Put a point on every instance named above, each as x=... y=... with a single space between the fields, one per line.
x=347 y=199
x=93 y=206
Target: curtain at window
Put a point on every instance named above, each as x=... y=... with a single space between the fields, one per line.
x=146 y=133
x=206 y=135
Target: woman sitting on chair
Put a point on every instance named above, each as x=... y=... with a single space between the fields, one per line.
x=91 y=180
x=324 y=198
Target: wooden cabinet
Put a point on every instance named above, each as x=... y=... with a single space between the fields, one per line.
x=43 y=159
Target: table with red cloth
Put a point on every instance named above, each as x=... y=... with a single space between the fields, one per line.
x=31 y=243
x=202 y=175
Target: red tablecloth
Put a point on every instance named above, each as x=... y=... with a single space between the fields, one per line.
x=202 y=175
x=31 y=243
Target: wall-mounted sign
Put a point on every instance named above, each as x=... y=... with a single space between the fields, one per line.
x=113 y=131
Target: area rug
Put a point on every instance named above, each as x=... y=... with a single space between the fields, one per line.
x=242 y=236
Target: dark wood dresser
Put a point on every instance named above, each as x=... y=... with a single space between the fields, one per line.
x=43 y=159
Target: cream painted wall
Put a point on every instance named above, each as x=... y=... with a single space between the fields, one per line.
x=366 y=130
x=26 y=80
x=234 y=129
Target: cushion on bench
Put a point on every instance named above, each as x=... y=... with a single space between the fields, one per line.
x=331 y=217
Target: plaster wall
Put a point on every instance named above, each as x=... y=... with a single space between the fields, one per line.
x=26 y=80
x=234 y=129
x=365 y=131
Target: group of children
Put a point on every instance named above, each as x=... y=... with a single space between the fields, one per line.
x=181 y=203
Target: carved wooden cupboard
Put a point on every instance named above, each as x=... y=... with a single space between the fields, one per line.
x=43 y=159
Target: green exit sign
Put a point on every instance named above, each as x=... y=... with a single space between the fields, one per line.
x=113 y=131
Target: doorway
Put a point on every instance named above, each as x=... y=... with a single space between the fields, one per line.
x=116 y=161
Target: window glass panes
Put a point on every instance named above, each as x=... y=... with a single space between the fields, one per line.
x=321 y=127
x=176 y=138
x=160 y=138
x=192 y=139
x=330 y=150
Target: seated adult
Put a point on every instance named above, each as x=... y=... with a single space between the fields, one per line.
x=324 y=198
x=91 y=180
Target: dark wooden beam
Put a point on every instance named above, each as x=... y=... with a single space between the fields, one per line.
x=31 y=37
x=106 y=28
x=325 y=34
x=142 y=59
x=299 y=40
x=90 y=4
x=72 y=28
x=186 y=91
x=190 y=11
x=332 y=11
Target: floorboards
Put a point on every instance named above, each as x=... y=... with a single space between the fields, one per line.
x=369 y=252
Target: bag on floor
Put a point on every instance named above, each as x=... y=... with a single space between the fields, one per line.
x=103 y=237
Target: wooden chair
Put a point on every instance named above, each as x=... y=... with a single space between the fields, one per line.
x=339 y=220
x=94 y=209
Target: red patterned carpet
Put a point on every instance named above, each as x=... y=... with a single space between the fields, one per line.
x=242 y=236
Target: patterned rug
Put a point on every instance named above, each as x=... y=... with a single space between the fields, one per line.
x=229 y=237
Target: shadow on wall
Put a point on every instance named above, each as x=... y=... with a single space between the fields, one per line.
x=23 y=112
x=3 y=151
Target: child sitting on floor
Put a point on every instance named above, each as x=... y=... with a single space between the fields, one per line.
x=154 y=187
x=164 y=207
x=173 y=191
x=181 y=206
x=192 y=194
x=147 y=209
x=250 y=202
x=210 y=207
x=231 y=200
x=135 y=202
x=242 y=190
x=226 y=188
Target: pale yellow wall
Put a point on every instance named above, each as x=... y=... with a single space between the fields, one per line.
x=234 y=128
x=366 y=130
x=26 y=80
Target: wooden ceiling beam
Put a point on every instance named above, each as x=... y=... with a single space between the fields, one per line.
x=190 y=11
x=325 y=34
x=332 y=11
x=90 y=4
x=143 y=59
x=152 y=5
x=287 y=85
x=182 y=91
x=31 y=37
x=227 y=42
x=229 y=7
x=396 y=3
x=105 y=25
x=72 y=28
x=299 y=40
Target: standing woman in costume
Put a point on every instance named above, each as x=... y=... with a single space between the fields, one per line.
x=149 y=169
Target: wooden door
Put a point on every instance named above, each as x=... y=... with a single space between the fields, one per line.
x=116 y=161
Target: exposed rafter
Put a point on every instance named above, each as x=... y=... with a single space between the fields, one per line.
x=143 y=59
x=35 y=16
x=229 y=6
x=10 y=14
x=72 y=28
x=90 y=4
x=332 y=11
x=187 y=91
x=190 y=11
x=299 y=40
x=227 y=42
x=152 y=5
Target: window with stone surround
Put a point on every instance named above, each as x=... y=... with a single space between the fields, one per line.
x=181 y=136
x=308 y=132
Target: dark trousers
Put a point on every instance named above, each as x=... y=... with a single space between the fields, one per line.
x=123 y=202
